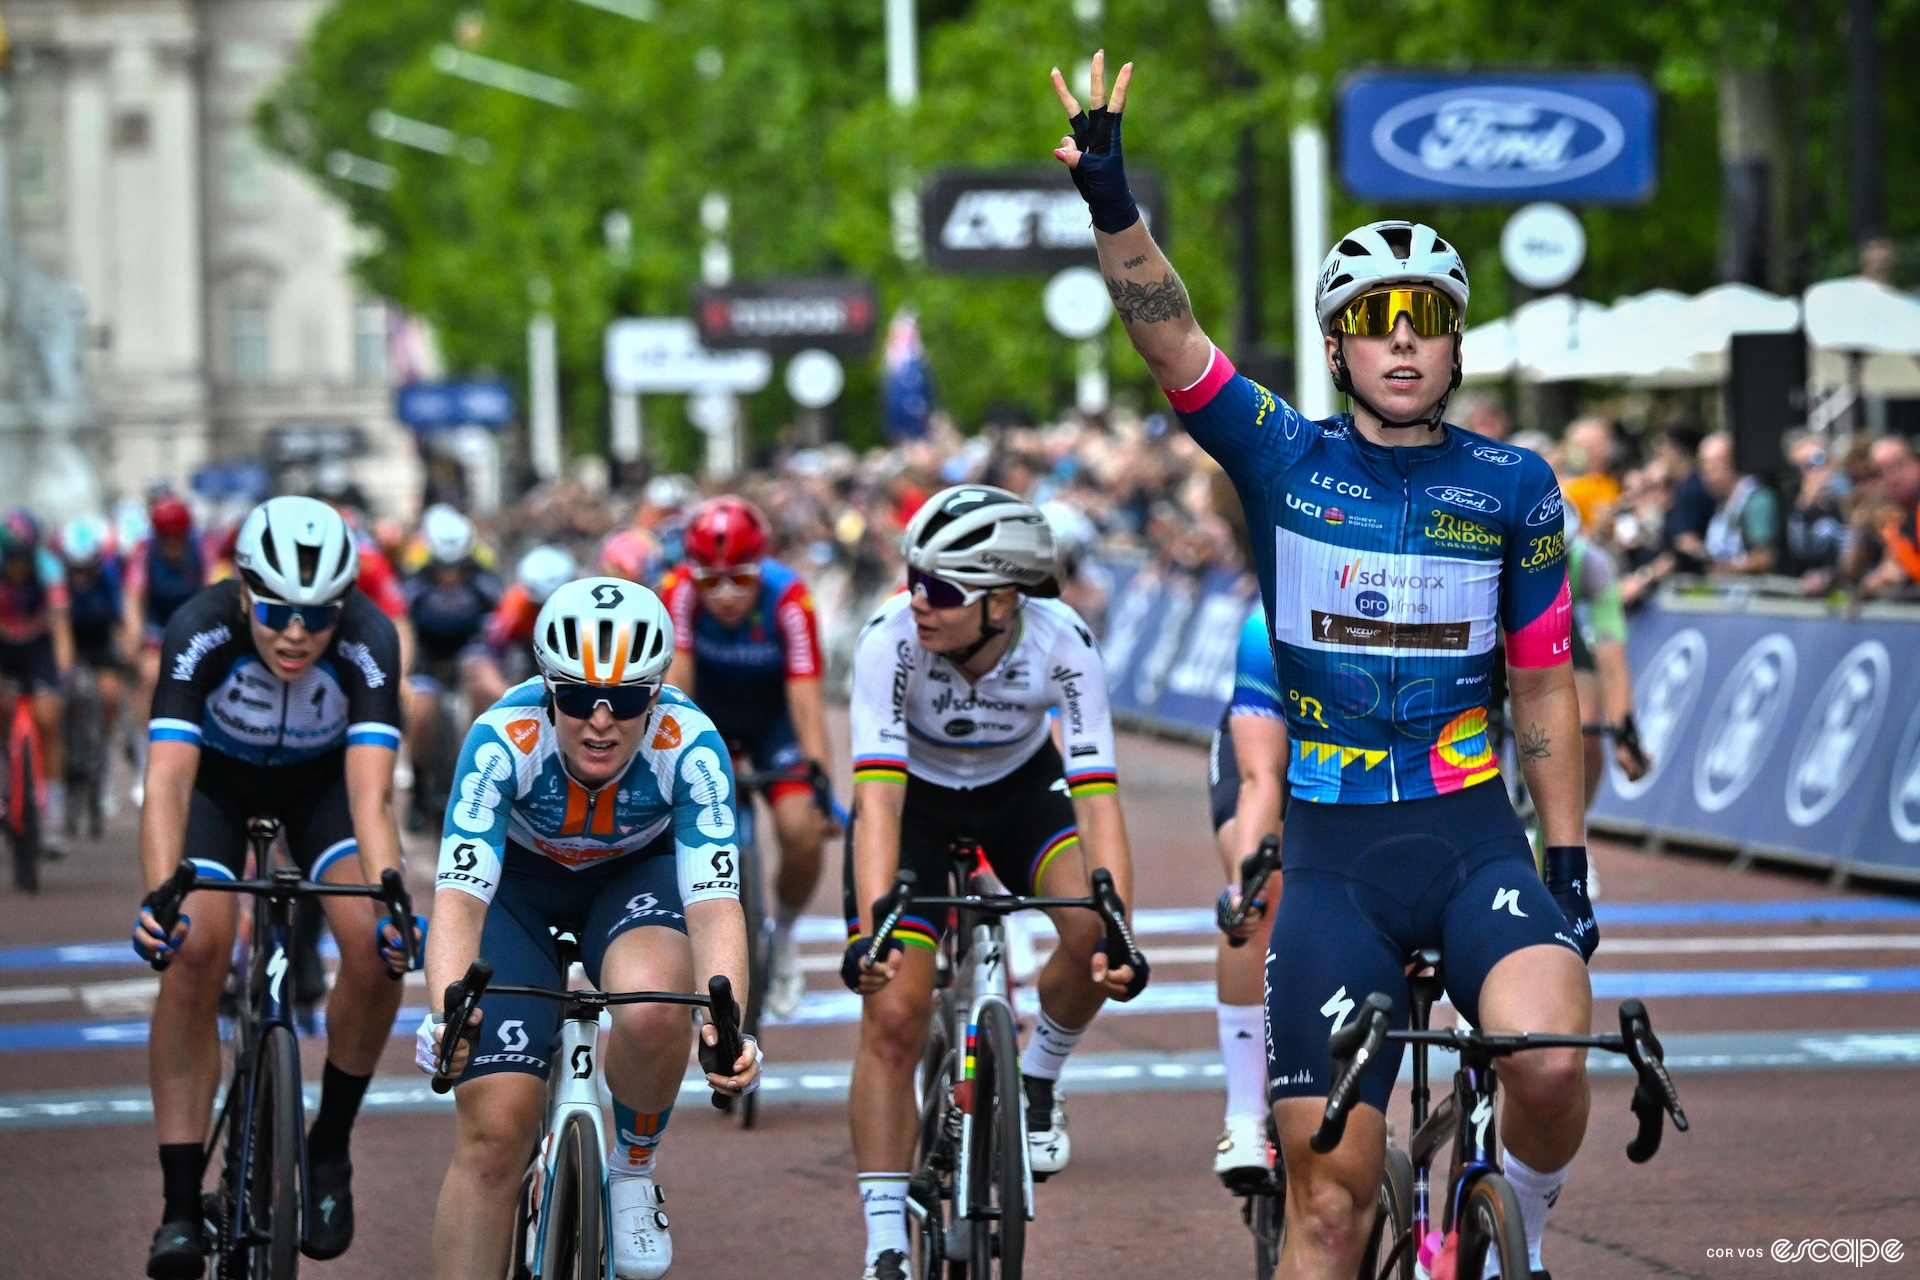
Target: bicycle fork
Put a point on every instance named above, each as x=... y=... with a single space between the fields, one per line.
x=573 y=1088
x=987 y=978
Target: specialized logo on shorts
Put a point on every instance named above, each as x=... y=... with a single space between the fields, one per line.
x=1471 y=499
x=1337 y=1007
x=523 y=734
x=667 y=736
x=1509 y=900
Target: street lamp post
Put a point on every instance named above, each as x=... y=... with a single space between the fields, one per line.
x=1313 y=387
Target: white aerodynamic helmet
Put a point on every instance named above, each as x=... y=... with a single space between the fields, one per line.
x=298 y=551
x=544 y=570
x=603 y=631
x=974 y=535
x=1390 y=252
x=448 y=534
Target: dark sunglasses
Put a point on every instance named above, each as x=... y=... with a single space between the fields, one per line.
x=275 y=616
x=1373 y=315
x=942 y=594
x=710 y=579
x=625 y=701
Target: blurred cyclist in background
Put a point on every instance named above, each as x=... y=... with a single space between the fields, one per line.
x=747 y=651
x=507 y=657
x=448 y=601
x=36 y=642
x=95 y=609
x=163 y=572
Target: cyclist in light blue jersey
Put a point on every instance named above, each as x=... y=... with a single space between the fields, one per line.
x=595 y=801
x=1393 y=549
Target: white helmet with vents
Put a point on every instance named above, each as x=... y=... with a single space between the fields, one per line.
x=1390 y=252
x=448 y=534
x=603 y=631
x=298 y=551
x=544 y=570
x=974 y=535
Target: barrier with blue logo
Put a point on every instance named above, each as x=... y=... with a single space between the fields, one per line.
x=1169 y=639
x=1501 y=137
x=1777 y=728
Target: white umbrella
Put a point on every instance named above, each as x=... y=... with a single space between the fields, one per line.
x=1722 y=311
x=1487 y=351
x=1858 y=314
x=1550 y=333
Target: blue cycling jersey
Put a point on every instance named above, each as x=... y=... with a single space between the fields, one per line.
x=93 y=609
x=740 y=672
x=1256 y=687
x=1386 y=577
x=514 y=799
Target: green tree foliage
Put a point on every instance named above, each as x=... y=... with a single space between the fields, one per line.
x=780 y=105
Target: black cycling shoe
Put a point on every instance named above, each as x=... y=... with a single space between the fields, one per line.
x=179 y=1251
x=890 y=1265
x=330 y=1224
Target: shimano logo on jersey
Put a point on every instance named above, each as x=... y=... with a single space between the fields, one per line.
x=1498 y=457
x=202 y=644
x=958 y=728
x=1340 y=486
x=1471 y=499
x=1547 y=510
x=362 y=657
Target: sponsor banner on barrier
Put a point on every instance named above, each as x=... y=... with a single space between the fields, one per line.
x=1778 y=731
x=1169 y=640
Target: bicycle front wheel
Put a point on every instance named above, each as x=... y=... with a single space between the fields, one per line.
x=574 y=1232
x=997 y=1168
x=25 y=818
x=1491 y=1231
x=932 y=1182
x=1393 y=1224
x=271 y=1221
x=753 y=902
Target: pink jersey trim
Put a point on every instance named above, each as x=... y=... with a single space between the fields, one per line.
x=1547 y=641
x=1200 y=394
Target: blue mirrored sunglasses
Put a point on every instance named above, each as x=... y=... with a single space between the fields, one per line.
x=275 y=616
x=626 y=701
x=942 y=594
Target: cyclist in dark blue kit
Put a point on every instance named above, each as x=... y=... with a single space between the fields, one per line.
x=1392 y=549
x=162 y=572
x=448 y=601
x=95 y=608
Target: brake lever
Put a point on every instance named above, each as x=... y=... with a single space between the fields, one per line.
x=893 y=907
x=1113 y=912
x=461 y=999
x=1349 y=1051
x=169 y=898
x=1255 y=870
x=400 y=913
x=725 y=1015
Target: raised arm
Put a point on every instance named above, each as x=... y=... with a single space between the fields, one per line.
x=1146 y=291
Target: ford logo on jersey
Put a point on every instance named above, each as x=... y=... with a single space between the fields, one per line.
x=1499 y=457
x=1471 y=499
x=1545 y=511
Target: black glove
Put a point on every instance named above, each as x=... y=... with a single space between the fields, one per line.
x=1567 y=882
x=1100 y=174
x=850 y=969
x=1141 y=972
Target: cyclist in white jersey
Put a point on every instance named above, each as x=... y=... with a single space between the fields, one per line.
x=954 y=683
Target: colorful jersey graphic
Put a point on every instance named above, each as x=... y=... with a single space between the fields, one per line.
x=1387 y=575
x=513 y=798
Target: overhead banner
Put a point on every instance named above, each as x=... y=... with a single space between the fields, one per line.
x=1778 y=732
x=1498 y=137
x=787 y=316
x=1023 y=220
x=1169 y=639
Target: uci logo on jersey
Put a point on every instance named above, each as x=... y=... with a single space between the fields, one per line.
x=1470 y=499
x=1498 y=457
x=1547 y=510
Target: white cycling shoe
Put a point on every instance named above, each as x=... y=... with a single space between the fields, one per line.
x=786 y=984
x=642 y=1249
x=1049 y=1148
x=1242 y=1158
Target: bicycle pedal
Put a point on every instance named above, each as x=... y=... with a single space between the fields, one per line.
x=1251 y=1180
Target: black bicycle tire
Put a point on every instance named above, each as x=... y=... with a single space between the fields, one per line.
x=1489 y=1219
x=998 y=1157
x=928 y=1235
x=576 y=1232
x=26 y=844
x=753 y=903
x=525 y=1214
x=1394 y=1219
x=1267 y=1222
x=273 y=1175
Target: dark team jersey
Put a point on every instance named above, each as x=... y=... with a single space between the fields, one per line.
x=216 y=693
x=740 y=673
x=449 y=616
x=163 y=585
x=93 y=610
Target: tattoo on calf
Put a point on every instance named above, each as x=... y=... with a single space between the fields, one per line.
x=1131 y=263
x=1151 y=302
x=1535 y=744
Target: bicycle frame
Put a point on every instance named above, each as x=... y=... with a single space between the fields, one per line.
x=573 y=1088
x=980 y=977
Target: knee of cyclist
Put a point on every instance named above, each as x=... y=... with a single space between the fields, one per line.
x=494 y=1148
x=1547 y=1080
x=1328 y=1211
x=897 y=1033
x=652 y=1027
x=1080 y=932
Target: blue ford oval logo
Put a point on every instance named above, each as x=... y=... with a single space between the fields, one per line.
x=1497 y=137
x=1471 y=499
x=1498 y=457
x=1371 y=604
x=1547 y=510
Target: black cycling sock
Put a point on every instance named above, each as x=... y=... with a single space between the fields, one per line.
x=181 y=1166
x=1039 y=1102
x=340 y=1096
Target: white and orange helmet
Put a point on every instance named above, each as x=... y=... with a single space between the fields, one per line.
x=603 y=631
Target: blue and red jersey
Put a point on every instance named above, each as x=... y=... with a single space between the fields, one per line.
x=740 y=672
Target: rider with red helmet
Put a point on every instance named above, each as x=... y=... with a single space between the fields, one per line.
x=746 y=648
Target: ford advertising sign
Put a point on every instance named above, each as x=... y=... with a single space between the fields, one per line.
x=1503 y=138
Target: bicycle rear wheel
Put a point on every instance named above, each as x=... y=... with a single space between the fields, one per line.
x=23 y=816
x=574 y=1235
x=998 y=1161
x=753 y=901
x=1265 y=1213
x=271 y=1223
x=1490 y=1229
x=1392 y=1223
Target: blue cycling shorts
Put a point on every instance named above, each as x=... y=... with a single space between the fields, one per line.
x=597 y=904
x=1366 y=885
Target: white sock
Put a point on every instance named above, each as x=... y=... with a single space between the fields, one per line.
x=1048 y=1048
x=1243 y=1048
x=884 y=1198
x=1537 y=1193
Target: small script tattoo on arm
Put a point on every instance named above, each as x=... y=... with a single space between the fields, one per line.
x=1131 y=263
x=1148 y=303
x=1535 y=744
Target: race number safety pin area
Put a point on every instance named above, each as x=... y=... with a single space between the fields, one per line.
x=1846 y=1252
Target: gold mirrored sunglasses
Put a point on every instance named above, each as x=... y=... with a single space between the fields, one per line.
x=1373 y=315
